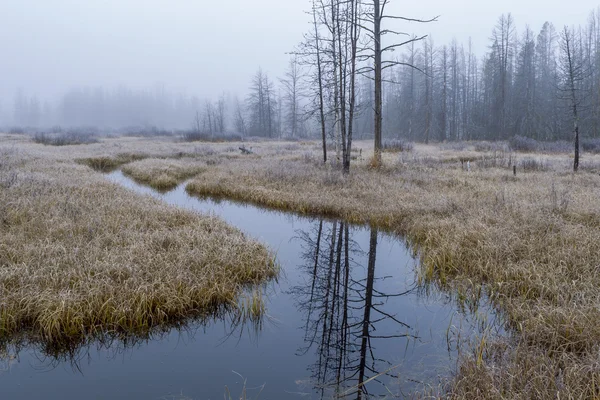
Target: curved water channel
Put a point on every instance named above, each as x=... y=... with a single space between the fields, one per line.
x=331 y=325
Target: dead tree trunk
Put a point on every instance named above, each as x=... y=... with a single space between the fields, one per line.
x=573 y=74
x=378 y=82
x=321 y=103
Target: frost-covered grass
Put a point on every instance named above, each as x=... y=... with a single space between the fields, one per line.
x=82 y=258
x=163 y=174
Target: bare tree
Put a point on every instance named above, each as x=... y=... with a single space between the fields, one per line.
x=310 y=55
x=292 y=92
x=239 y=118
x=262 y=105
x=428 y=69
x=376 y=16
x=573 y=75
x=197 y=122
x=443 y=116
x=220 y=110
x=208 y=117
x=338 y=69
x=320 y=83
x=502 y=37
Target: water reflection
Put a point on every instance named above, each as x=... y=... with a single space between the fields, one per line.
x=236 y=321
x=347 y=318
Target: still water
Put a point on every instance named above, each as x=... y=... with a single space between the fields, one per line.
x=347 y=309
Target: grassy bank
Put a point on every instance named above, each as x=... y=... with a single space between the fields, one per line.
x=163 y=175
x=81 y=257
x=532 y=240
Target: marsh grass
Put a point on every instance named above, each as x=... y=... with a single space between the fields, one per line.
x=83 y=259
x=165 y=174
x=532 y=240
x=110 y=163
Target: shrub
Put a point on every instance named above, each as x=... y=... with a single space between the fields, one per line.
x=195 y=136
x=397 y=145
x=591 y=145
x=559 y=146
x=16 y=130
x=65 y=139
x=146 y=131
x=532 y=164
x=204 y=151
x=456 y=146
x=525 y=144
x=490 y=146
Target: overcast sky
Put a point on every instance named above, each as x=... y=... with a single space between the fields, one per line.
x=205 y=47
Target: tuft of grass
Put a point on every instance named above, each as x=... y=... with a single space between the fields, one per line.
x=163 y=174
x=81 y=258
x=375 y=163
x=110 y=163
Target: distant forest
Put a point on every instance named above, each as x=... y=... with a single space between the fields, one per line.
x=520 y=87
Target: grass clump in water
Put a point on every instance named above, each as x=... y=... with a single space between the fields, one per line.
x=161 y=174
x=110 y=163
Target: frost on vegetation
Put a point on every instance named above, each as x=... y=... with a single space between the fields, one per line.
x=8 y=164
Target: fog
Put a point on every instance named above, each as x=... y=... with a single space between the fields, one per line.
x=204 y=48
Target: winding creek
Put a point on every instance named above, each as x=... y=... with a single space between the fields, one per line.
x=330 y=323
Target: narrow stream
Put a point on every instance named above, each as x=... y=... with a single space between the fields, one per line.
x=346 y=309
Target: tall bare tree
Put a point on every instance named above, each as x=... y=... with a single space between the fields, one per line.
x=572 y=68
x=292 y=93
x=262 y=105
x=239 y=118
x=376 y=15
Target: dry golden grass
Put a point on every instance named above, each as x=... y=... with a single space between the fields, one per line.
x=166 y=174
x=108 y=164
x=83 y=258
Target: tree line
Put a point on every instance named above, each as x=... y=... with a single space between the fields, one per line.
x=525 y=85
x=345 y=81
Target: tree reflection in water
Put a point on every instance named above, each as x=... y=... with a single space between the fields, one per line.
x=344 y=311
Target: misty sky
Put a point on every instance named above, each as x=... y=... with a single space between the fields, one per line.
x=206 y=47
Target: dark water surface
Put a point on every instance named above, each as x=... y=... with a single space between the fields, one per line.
x=347 y=308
